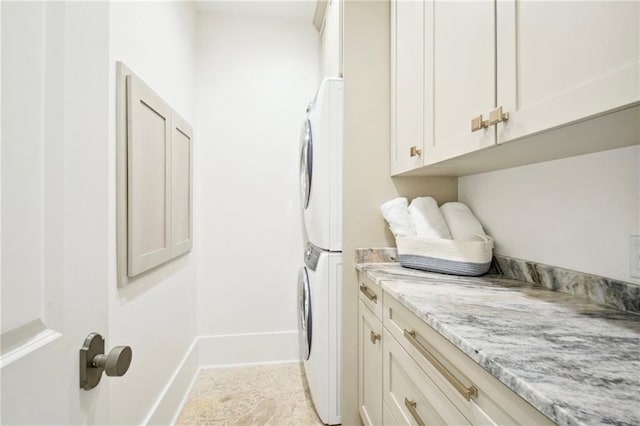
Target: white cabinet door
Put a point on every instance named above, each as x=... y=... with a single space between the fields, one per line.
x=181 y=186
x=55 y=209
x=407 y=85
x=149 y=132
x=411 y=395
x=563 y=61
x=464 y=76
x=370 y=366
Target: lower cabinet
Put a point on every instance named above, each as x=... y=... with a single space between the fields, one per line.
x=370 y=367
x=409 y=374
x=387 y=417
x=410 y=394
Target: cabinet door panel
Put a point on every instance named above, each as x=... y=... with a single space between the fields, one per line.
x=559 y=62
x=407 y=84
x=464 y=76
x=370 y=367
x=149 y=185
x=182 y=187
x=405 y=383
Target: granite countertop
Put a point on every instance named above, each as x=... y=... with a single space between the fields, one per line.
x=575 y=361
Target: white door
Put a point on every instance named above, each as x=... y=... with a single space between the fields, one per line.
x=55 y=215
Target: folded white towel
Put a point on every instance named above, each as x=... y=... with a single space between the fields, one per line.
x=428 y=219
x=462 y=223
x=395 y=212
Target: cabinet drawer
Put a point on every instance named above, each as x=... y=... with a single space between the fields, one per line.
x=369 y=367
x=370 y=294
x=410 y=394
x=478 y=395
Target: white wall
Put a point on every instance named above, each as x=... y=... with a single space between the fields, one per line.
x=576 y=213
x=154 y=314
x=255 y=76
x=330 y=40
x=367 y=183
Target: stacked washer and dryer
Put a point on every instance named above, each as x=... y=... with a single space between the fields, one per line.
x=320 y=279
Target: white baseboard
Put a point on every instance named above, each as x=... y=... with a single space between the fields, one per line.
x=258 y=348
x=220 y=351
x=174 y=395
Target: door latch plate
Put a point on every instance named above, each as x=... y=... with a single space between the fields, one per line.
x=89 y=375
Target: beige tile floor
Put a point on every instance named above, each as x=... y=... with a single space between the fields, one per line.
x=275 y=394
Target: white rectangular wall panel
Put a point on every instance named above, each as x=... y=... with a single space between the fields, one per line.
x=181 y=187
x=149 y=178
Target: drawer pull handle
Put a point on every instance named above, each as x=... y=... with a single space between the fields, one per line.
x=371 y=296
x=414 y=151
x=411 y=406
x=478 y=123
x=373 y=336
x=467 y=392
x=496 y=116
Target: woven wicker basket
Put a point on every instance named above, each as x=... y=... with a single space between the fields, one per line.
x=470 y=258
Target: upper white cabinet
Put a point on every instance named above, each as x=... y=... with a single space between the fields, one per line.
x=407 y=87
x=154 y=178
x=531 y=81
x=559 y=62
x=463 y=77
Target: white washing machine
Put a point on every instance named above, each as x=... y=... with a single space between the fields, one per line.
x=320 y=308
x=321 y=166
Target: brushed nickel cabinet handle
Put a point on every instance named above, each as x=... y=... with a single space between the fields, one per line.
x=371 y=296
x=478 y=123
x=373 y=336
x=496 y=116
x=467 y=392
x=412 y=407
x=414 y=151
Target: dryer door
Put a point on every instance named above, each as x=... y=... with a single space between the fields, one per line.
x=304 y=313
x=306 y=163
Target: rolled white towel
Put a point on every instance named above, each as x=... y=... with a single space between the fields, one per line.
x=396 y=214
x=428 y=219
x=462 y=223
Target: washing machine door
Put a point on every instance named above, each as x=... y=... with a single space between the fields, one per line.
x=306 y=163
x=305 y=322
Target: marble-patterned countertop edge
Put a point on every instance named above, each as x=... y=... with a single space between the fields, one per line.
x=621 y=295
x=392 y=283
